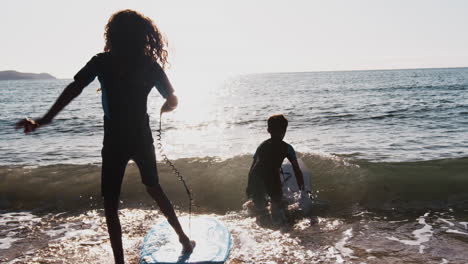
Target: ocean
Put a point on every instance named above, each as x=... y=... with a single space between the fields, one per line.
x=388 y=149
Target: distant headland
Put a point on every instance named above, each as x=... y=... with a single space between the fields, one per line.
x=14 y=75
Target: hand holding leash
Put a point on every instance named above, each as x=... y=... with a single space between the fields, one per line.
x=170 y=104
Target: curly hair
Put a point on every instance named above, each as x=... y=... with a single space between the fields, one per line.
x=129 y=34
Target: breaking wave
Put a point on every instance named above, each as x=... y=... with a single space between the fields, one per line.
x=218 y=184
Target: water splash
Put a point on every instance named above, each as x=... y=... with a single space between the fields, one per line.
x=421 y=235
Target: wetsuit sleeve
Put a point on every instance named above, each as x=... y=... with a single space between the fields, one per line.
x=88 y=73
x=291 y=153
x=253 y=180
x=162 y=82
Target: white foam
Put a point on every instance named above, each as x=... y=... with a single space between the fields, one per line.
x=14 y=221
x=464 y=224
x=361 y=213
x=347 y=252
x=456 y=232
x=8 y=218
x=251 y=239
x=69 y=231
x=398 y=221
x=5 y=243
x=446 y=221
x=57 y=231
x=333 y=253
x=340 y=251
x=422 y=235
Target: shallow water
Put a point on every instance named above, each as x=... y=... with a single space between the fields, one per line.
x=377 y=212
x=387 y=149
x=432 y=237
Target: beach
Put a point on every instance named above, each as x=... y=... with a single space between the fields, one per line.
x=388 y=150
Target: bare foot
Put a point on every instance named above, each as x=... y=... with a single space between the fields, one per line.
x=187 y=245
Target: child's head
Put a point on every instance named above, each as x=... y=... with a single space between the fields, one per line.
x=131 y=35
x=277 y=125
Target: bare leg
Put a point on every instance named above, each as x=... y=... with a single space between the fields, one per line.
x=168 y=210
x=111 y=207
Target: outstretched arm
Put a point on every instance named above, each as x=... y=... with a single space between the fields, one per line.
x=68 y=94
x=298 y=174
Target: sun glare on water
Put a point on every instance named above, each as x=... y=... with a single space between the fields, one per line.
x=198 y=103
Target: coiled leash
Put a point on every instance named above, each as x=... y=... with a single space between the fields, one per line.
x=174 y=170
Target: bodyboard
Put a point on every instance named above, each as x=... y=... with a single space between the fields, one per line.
x=291 y=191
x=161 y=244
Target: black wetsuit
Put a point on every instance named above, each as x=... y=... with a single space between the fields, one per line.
x=127 y=134
x=264 y=175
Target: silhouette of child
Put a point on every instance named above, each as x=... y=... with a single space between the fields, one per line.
x=130 y=66
x=264 y=175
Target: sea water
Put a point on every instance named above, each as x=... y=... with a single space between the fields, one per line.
x=387 y=149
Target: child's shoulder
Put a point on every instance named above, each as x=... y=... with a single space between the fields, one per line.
x=289 y=147
x=265 y=142
x=101 y=55
x=99 y=58
x=271 y=143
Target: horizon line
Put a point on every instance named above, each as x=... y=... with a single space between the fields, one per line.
x=360 y=70
x=290 y=72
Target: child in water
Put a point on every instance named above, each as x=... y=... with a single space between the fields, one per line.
x=264 y=175
x=131 y=65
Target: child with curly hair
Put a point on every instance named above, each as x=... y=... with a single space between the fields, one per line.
x=131 y=65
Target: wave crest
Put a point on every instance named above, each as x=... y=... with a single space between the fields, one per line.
x=219 y=185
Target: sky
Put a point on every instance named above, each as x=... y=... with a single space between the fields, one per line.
x=211 y=40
